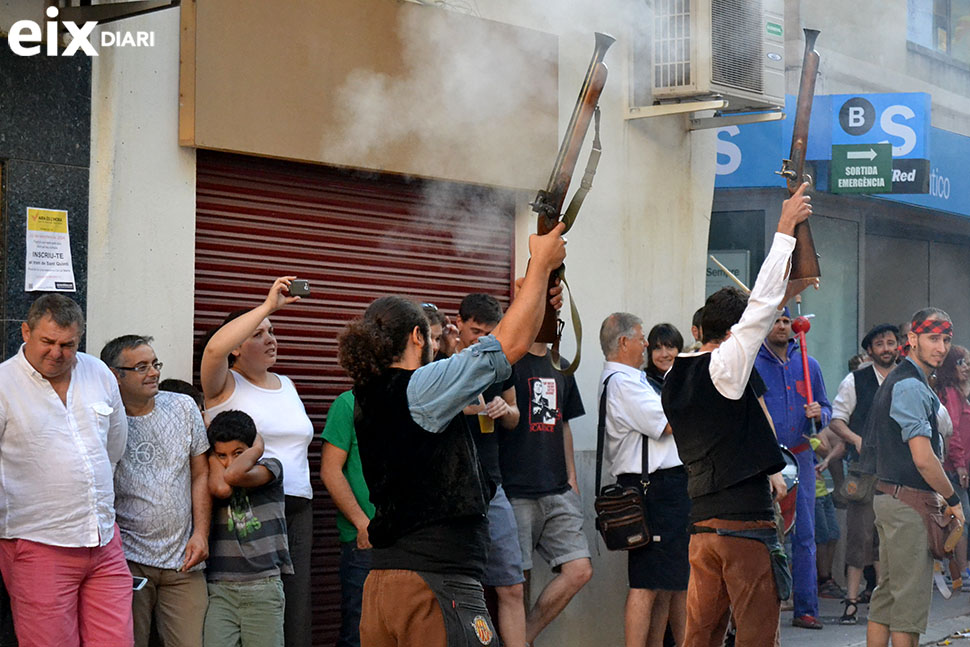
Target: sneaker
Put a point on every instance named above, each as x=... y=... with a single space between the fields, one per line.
x=806 y=622
x=849 y=615
x=787 y=605
x=830 y=589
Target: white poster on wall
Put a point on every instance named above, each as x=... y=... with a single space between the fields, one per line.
x=49 y=266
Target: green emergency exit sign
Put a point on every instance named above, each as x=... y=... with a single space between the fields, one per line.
x=862 y=168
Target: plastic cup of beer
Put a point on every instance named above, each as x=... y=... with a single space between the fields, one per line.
x=486 y=423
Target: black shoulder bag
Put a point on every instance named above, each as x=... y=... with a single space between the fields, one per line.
x=619 y=510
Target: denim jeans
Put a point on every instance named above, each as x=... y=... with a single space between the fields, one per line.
x=247 y=614
x=354 y=567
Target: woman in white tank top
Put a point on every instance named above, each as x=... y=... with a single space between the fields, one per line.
x=235 y=374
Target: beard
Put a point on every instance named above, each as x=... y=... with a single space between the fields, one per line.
x=427 y=353
x=878 y=361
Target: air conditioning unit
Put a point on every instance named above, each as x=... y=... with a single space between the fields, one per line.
x=734 y=49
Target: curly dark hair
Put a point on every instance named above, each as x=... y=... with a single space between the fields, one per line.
x=947 y=374
x=367 y=346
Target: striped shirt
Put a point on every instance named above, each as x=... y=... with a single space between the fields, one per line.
x=248 y=537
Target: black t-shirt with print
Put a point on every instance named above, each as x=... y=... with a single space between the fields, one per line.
x=487 y=444
x=532 y=457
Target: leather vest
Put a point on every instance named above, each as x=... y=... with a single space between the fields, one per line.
x=721 y=442
x=416 y=478
x=893 y=460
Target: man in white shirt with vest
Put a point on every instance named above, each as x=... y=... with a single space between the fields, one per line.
x=634 y=415
x=62 y=432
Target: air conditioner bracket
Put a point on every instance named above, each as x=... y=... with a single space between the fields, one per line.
x=719 y=121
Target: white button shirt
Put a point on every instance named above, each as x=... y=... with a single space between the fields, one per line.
x=634 y=411
x=57 y=461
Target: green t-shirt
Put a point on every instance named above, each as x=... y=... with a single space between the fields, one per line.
x=339 y=432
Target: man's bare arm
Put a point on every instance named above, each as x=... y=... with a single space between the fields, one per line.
x=332 y=461
x=197 y=548
x=931 y=470
x=567 y=442
x=842 y=431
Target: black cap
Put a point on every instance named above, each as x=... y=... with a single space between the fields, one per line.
x=876 y=331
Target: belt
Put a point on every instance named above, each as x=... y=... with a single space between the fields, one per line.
x=895 y=489
x=798 y=449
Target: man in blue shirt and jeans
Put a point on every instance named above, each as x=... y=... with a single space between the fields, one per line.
x=903 y=445
x=430 y=531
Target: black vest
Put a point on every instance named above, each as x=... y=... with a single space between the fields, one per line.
x=866 y=385
x=893 y=461
x=721 y=442
x=416 y=478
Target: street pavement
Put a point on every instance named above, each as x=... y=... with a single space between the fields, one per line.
x=946 y=618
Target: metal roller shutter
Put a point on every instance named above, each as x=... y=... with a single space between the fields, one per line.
x=355 y=236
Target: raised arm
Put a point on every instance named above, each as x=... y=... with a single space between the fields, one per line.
x=214 y=371
x=518 y=328
x=732 y=361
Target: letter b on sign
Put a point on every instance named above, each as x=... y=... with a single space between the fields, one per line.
x=857 y=116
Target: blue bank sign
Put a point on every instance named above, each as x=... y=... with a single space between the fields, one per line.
x=902 y=120
x=928 y=163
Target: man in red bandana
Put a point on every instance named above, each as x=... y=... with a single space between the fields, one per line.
x=904 y=445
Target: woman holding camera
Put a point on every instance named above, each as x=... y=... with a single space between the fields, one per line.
x=235 y=374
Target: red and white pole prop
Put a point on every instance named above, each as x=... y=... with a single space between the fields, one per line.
x=800 y=326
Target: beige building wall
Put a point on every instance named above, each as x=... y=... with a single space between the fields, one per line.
x=141 y=266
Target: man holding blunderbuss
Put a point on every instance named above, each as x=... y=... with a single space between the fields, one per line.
x=713 y=402
x=429 y=531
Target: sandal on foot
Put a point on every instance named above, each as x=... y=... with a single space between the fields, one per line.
x=849 y=615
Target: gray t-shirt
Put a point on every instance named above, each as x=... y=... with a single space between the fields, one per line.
x=153 y=481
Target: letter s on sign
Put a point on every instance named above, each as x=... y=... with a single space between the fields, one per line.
x=896 y=129
x=729 y=149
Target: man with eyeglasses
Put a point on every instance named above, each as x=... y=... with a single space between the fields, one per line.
x=62 y=431
x=161 y=496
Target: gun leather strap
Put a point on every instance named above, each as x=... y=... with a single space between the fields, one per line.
x=569 y=218
x=587 y=182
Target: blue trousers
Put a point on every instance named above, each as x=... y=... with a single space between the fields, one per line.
x=804 y=574
x=354 y=567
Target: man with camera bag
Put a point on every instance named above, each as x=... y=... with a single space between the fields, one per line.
x=634 y=415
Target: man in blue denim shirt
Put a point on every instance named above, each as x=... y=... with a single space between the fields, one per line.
x=903 y=438
x=429 y=530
